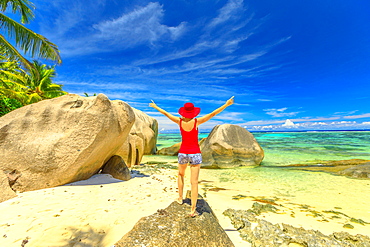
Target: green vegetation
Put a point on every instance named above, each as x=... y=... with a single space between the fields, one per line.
x=87 y=95
x=29 y=42
x=8 y=105
x=23 y=82
x=19 y=87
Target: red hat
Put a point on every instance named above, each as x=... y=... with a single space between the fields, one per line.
x=189 y=111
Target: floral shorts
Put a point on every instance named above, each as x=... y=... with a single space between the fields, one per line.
x=193 y=159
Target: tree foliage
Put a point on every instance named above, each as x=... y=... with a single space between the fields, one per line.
x=29 y=42
x=19 y=87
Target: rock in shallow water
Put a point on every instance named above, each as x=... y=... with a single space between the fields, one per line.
x=261 y=233
x=360 y=171
x=230 y=146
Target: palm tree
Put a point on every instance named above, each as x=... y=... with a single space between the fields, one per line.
x=28 y=86
x=11 y=80
x=11 y=93
x=28 y=41
x=39 y=83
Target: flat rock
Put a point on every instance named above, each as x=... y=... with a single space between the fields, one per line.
x=261 y=233
x=173 y=226
x=359 y=171
x=355 y=168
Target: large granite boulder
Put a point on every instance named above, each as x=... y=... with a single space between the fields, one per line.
x=261 y=233
x=173 y=227
x=61 y=140
x=142 y=139
x=230 y=146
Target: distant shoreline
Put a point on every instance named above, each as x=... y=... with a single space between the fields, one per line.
x=175 y=131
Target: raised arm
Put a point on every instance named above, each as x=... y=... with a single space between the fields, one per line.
x=207 y=117
x=167 y=114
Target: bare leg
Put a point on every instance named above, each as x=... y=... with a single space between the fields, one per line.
x=180 y=181
x=194 y=169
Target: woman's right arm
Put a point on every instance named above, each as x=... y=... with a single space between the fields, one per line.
x=167 y=114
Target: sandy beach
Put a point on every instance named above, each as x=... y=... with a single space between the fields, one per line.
x=100 y=210
x=93 y=212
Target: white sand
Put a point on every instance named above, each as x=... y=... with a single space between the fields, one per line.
x=94 y=212
x=100 y=210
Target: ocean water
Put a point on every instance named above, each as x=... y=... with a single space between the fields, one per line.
x=316 y=194
x=286 y=148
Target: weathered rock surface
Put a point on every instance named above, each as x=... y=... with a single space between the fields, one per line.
x=360 y=171
x=230 y=146
x=142 y=139
x=61 y=140
x=174 y=227
x=355 y=168
x=261 y=233
x=6 y=192
x=116 y=167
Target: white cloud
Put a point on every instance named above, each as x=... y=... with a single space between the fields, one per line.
x=346 y=113
x=335 y=125
x=288 y=123
x=365 y=115
x=142 y=25
x=104 y=85
x=280 y=112
x=227 y=12
x=230 y=116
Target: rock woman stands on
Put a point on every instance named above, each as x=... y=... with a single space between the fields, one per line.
x=189 y=152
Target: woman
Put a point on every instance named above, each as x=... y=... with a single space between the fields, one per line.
x=189 y=152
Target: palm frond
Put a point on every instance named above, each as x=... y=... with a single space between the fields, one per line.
x=24 y=7
x=22 y=97
x=29 y=41
x=33 y=98
x=13 y=54
x=15 y=78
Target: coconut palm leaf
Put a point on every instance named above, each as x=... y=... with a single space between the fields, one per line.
x=29 y=41
x=24 y=7
x=22 y=97
x=13 y=53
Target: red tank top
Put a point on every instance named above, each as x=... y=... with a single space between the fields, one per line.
x=189 y=144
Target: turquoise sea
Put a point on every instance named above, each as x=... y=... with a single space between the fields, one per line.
x=318 y=194
x=285 y=148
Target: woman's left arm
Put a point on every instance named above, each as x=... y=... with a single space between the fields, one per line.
x=207 y=117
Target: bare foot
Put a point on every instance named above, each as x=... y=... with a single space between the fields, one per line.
x=194 y=213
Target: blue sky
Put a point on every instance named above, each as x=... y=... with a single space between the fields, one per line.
x=307 y=61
